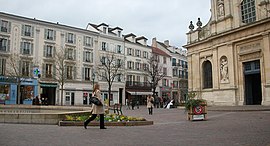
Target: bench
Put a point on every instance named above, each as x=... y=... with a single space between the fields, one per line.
x=117 y=108
x=2 y=101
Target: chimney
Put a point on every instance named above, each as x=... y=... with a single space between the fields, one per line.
x=167 y=43
x=154 y=42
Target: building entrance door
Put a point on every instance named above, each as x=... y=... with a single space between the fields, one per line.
x=253 y=89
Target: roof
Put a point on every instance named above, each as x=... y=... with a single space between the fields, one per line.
x=163 y=45
x=112 y=29
x=142 y=37
x=159 y=52
x=128 y=35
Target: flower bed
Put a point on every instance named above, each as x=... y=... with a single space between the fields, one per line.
x=109 y=120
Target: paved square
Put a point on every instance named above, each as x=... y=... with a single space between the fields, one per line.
x=170 y=128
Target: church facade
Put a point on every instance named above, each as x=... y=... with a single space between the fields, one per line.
x=229 y=57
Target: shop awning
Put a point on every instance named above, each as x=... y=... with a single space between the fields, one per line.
x=48 y=85
x=140 y=93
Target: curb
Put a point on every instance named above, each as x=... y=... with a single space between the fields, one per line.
x=130 y=123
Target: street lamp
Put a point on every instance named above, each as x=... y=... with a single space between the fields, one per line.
x=93 y=78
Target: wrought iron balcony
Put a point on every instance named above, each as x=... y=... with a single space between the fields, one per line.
x=133 y=84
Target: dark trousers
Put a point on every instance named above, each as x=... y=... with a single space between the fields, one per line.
x=93 y=116
x=150 y=110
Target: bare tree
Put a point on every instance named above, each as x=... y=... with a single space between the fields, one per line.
x=110 y=68
x=64 y=71
x=155 y=72
x=19 y=68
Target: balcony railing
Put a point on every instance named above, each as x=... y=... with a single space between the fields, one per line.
x=137 y=84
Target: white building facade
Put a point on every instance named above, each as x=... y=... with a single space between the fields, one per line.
x=32 y=46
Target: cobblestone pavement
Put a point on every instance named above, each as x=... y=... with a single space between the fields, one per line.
x=223 y=128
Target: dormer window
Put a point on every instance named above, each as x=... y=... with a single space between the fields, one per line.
x=119 y=33
x=104 y=30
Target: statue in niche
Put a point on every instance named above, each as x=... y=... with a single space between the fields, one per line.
x=224 y=70
x=221 y=8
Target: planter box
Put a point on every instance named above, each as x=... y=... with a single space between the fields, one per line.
x=197 y=113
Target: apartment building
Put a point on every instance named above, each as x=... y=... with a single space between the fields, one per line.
x=33 y=44
x=174 y=84
x=137 y=55
x=110 y=44
x=35 y=49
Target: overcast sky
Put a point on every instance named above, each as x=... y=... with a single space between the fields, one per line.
x=163 y=19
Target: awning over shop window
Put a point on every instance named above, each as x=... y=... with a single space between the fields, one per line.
x=140 y=93
x=48 y=85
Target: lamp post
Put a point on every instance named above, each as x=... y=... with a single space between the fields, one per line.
x=93 y=78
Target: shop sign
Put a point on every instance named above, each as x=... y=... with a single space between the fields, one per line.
x=8 y=79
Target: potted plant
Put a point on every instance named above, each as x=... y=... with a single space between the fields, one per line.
x=195 y=107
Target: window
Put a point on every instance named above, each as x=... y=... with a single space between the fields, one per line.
x=130 y=65
x=138 y=66
x=165 y=71
x=164 y=82
x=88 y=56
x=130 y=51
x=104 y=46
x=248 y=11
x=175 y=84
x=50 y=34
x=173 y=62
x=2 y=66
x=145 y=67
x=118 y=49
x=145 y=54
x=138 y=79
x=207 y=75
x=68 y=95
x=87 y=72
x=25 y=68
x=118 y=78
x=70 y=72
x=48 y=69
x=104 y=30
x=175 y=72
x=27 y=30
x=5 y=26
x=71 y=54
x=138 y=53
x=4 y=45
x=118 y=62
x=88 y=41
x=26 y=48
x=164 y=60
x=119 y=33
x=103 y=60
x=70 y=38
x=48 y=51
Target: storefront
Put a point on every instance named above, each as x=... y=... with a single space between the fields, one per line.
x=29 y=90
x=9 y=90
x=47 y=93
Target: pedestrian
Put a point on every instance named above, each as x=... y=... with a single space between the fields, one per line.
x=150 y=101
x=128 y=104
x=36 y=101
x=96 y=109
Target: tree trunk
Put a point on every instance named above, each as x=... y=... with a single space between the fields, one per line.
x=62 y=92
x=109 y=103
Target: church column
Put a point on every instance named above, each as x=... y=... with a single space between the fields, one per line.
x=266 y=70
